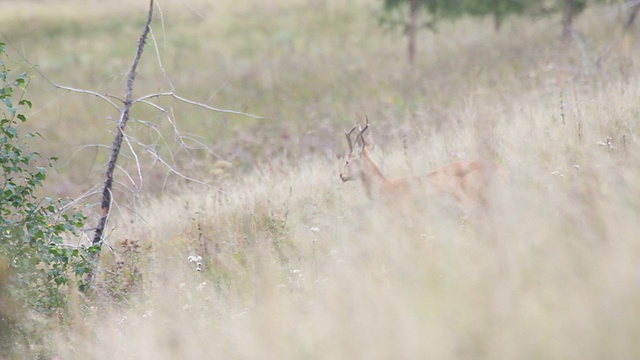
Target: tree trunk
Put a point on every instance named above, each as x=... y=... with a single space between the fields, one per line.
x=633 y=12
x=497 y=21
x=567 y=19
x=413 y=28
x=107 y=195
x=497 y=16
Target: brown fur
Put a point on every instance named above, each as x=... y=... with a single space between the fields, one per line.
x=466 y=182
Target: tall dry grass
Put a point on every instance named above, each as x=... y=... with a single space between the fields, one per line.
x=294 y=264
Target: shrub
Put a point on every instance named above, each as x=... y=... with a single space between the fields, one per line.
x=32 y=227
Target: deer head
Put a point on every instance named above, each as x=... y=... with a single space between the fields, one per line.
x=352 y=168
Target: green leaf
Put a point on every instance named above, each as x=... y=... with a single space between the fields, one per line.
x=29 y=223
x=20 y=83
x=8 y=103
x=11 y=132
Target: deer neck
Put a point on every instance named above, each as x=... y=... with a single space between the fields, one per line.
x=372 y=178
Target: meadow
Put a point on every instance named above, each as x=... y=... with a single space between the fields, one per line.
x=276 y=258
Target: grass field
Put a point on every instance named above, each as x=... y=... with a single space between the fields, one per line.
x=297 y=265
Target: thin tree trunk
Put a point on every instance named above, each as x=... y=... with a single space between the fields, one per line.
x=413 y=28
x=633 y=12
x=497 y=21
x=107 y=195
x=497 y=16
x=567 y=19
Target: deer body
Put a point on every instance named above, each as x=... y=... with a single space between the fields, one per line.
x=465 y=182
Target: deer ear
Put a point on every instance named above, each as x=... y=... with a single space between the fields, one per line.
x=370 y=141
x=365 y=142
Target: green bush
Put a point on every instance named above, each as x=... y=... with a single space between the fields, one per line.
x=32 y=227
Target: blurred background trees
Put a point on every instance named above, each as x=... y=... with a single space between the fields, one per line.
x=411 y=15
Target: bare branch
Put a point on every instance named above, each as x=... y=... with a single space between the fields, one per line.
x=82 y=197
x=180 y=138
x=134 y=191
x=68 y=88
x=114 y=97
x=191 y=102
x=180 y=174
x=83 y=147
x=158 y=107
x=81 y=91
x=135 y=156
x=201 y=145
x=173 y=170
x=164 y=72
x=192 y=9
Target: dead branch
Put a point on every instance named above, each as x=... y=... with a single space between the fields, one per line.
x=160 y=159
x=94 y=191
x=195 y=103
x=107 y=196
x=159 y=58
x=69 y=88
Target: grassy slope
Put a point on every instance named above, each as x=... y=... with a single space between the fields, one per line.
x=296 y=265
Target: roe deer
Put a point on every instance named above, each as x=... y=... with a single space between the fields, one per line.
x=466 y=182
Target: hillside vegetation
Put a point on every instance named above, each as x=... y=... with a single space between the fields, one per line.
x=287 y=262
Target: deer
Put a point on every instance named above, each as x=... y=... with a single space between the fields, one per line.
x=465 y=182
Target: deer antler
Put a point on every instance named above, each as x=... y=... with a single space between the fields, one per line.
x=360 y=135
x=348 y=134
